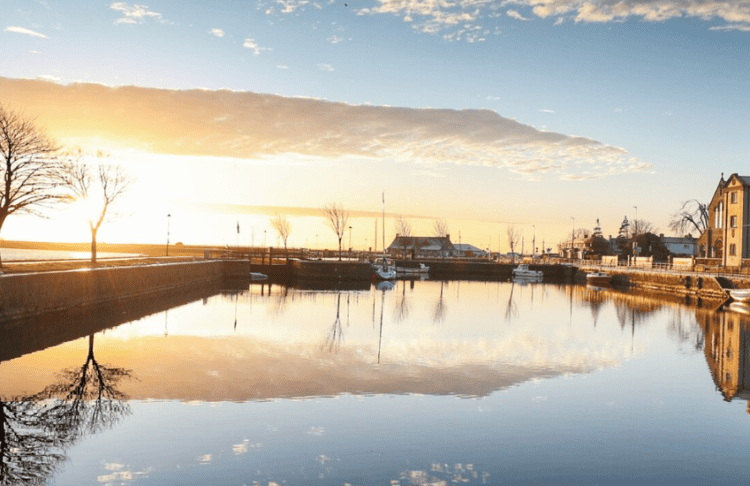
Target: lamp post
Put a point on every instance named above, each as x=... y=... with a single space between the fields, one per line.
x=635 y=232
x=573 y=238
x=168 y=219
x=350 y=238
x=533 y=242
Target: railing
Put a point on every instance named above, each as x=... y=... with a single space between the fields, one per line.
x=700 y=270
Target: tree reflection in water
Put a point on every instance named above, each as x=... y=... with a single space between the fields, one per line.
x=438 y=315
x=36 y=429
x=333 y=339
x=401 y=310
x=28 y=452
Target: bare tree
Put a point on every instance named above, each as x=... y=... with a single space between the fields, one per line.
x=282 y=226
x=440 y=228
x=99 y=186
x=402 y=227
x=30 y=168
x=514 y=236
x=337 y=218
x=692 y=215
x=641 y=227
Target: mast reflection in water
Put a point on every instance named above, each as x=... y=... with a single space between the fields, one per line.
x=424 y=382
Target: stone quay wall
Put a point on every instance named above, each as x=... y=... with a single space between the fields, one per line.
x=687 y=283
x=22 y=295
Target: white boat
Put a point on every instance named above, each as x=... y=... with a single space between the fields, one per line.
x=382 y=269
x=740 y=295
x=739 y=307
x=412 y=269
x=258 y=276
x=523 y=270
x=598 y=278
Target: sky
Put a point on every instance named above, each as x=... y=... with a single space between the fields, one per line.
x=543 y=114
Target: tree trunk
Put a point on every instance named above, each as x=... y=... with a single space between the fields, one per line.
x=93 y=246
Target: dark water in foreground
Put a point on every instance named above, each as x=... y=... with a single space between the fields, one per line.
x=424 y=383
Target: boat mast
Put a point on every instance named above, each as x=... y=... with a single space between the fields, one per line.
x=383 y=208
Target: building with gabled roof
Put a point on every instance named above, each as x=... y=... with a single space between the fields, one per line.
x=727 y=237
x=422 y=247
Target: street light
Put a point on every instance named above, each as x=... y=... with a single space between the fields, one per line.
x=573 y=238
x=168 y=219
x=350 y=238
x=635 y=223
x=533 y=243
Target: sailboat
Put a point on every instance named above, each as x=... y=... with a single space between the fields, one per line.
x=382 y=269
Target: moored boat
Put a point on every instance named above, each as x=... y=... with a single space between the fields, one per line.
x=411 y=269
x=598 y=278
x=740 y=295
x=383 y=269
x=523 y=270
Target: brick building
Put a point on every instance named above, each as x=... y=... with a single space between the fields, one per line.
x=727 y=238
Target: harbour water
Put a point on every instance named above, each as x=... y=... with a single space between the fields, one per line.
x=426 y=382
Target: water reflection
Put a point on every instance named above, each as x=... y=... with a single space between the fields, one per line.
x=36 y=430
x=727 y=352
x=580 y=369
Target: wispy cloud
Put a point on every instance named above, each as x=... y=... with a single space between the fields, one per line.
x=134 y=14
x=433 y=16
x=262 y=125
x=547 y=111
x=217 y=32
x=515 y=15
x=334 y=39
x=253 y=46
x=325 y=67
x=21 y=30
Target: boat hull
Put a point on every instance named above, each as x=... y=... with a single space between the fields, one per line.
x=740 y=295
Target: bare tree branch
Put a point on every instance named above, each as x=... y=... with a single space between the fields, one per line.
x=100 y=186
x=30 y=168
x=282 y=226
x=440 y=228
x=337 y=218
x=692 y=215
x=402 y=227
x=514 y=236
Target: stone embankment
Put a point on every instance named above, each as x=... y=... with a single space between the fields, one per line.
x=23 y=295
x=681 y=283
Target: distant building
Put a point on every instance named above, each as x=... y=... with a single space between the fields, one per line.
x=467 y=250
x=685 y=246
x=727 y=238
x=422 y=247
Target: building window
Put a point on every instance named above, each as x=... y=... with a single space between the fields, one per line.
x=732 y=250
x=719 y=215
x=734 y=197
x=733 y=221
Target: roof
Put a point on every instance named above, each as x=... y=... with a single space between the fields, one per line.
x=422 y=243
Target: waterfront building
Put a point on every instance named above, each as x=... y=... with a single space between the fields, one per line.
x=726 y=239
x=684 y=246
x=422 y=247
x=467 y=250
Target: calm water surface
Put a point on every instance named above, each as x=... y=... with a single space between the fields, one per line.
x=423 y=383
